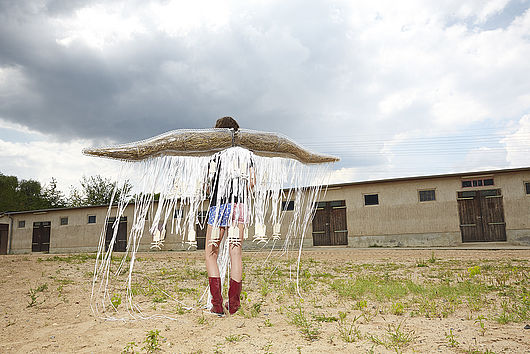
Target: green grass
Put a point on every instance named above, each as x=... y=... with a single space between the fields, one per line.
x=306 y=327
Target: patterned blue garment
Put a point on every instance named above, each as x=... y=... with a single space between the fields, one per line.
x=223 y=213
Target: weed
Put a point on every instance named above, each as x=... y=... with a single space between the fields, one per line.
x=348 y=333
x=361 y=305
x=202 y=319
x=324 y=318
x=268 y=323
x=473 y=271
x=217 y=349
x=299 y=319
x=34 y=294
x=504 y=318
x=233 y=338
x=179 y=309
x=398 y=308
x=159 y=299
x=267 y=348
x=451 y=338
x=129 y=348
x=480 y=320
x=432 y=260
x=152 y=341
x=396 y=337
x=255 y=309
x=115 y=300
x=265 y=288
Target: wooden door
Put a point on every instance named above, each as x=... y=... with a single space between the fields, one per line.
x=41 y=236
x=4 y=234
x=492 y=210
x=321 y=226
x=120 y=245
x=200 y=230
x=339 y=229
x=481 y=216
x=329 y=224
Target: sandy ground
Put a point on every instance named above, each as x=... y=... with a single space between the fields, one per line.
x=61 y=319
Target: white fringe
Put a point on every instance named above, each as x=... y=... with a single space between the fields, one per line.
x=184 y=183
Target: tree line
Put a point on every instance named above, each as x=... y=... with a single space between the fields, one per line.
x=20 y=194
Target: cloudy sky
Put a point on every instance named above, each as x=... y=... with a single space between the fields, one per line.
x=394 y=88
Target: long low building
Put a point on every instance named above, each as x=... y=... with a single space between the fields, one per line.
x=427 y=211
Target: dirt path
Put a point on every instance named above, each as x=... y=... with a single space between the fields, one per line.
x=60 y=319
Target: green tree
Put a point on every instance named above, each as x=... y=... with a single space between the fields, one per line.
x=17 y=195
x=95 y=190
x=8 y=193
x=29 y=193
x=54 y=197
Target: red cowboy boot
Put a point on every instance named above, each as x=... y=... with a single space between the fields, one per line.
x=233 y=296
x=217 y=298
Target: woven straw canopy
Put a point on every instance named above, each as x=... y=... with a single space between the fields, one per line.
x=203 y=142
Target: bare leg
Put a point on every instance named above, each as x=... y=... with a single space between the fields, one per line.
x=236 y=263
x=211 y=252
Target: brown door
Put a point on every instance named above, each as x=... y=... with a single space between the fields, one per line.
x=481 y=216
x=329 y=224
x=41 y=236
x=200 y=230
x=4 y=231
x=121 y=238
x=321 y=226
x=492 y=210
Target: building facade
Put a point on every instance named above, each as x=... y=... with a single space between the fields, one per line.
x=429 y=211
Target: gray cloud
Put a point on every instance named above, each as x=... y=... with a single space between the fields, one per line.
x=321 y=71
x=270 y=79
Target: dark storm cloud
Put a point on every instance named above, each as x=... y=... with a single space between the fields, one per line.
x=272 y=73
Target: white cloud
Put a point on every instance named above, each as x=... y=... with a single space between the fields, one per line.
x=98 y=26
x=344 y=175
x=45 y=158
x=518 y=144
x=396 y=70
x=177 y=18
x=481 y=159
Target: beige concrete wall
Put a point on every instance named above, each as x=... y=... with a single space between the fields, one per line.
x=400 y=219
x=399 y=210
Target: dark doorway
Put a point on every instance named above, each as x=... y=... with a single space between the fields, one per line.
x=481 y=216
x=4 y=232
x=121 y=238
x=200 y=230
x=41 y=236
x=329 y=224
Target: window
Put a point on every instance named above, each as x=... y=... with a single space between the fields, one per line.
x=91 y=219
x=21 y=224
x=468 y=194
x=527 y=187
x=427 y=195
x=111 y=220
x=321 y=205
x=490 y=192
x=371 y=199
x=477 y=182
x=288 y=205
x=64 y=221
x=466 y=184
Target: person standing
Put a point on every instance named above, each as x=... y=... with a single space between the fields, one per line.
x=227 y=209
